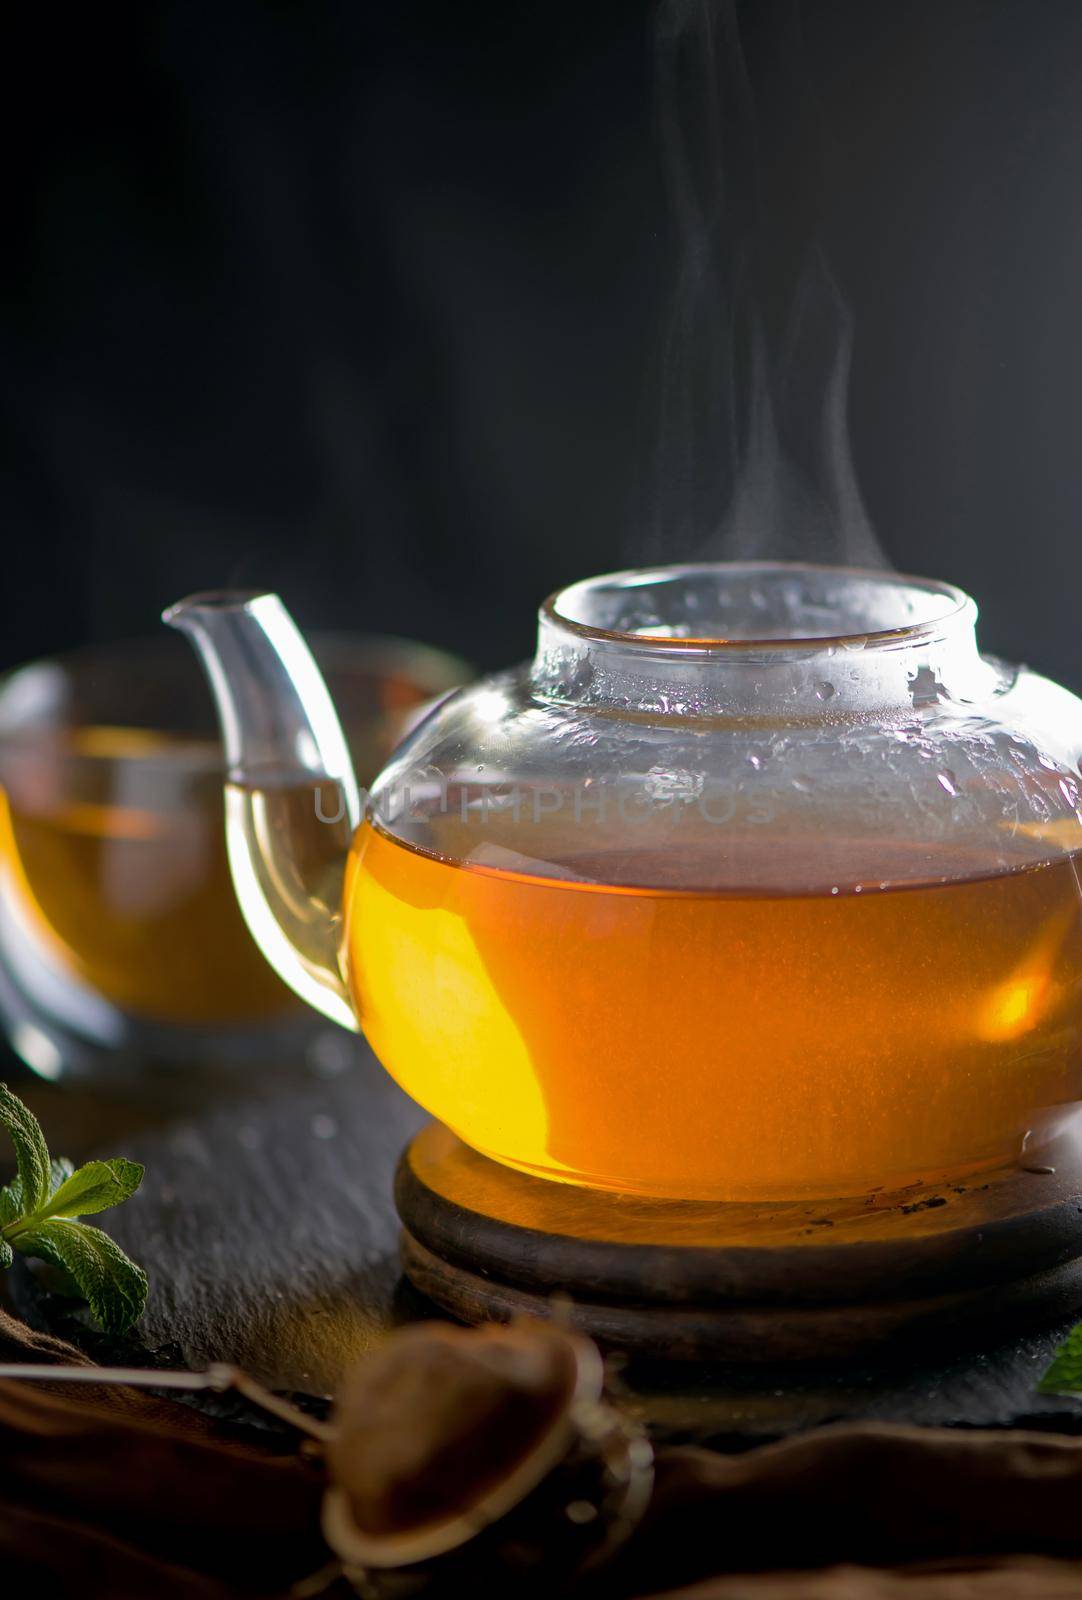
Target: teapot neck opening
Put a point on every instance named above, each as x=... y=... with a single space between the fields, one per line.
x=752 y=638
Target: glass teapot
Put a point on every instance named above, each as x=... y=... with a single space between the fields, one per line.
x=758 y=882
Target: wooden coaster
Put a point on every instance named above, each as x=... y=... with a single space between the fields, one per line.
x=701 y=1281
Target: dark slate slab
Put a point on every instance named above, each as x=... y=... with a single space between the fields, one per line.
x=267 y=1228
x=265 y=1219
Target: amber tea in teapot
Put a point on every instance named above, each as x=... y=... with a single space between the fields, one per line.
x=755 y=1036
x=758 y=882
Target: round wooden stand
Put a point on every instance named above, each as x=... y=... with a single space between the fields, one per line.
x=691 y=1280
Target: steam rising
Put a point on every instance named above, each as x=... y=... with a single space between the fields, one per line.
x=753 y=458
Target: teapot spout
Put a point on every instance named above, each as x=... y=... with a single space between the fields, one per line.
x=291 y=798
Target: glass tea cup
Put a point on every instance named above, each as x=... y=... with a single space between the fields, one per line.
x=122 y=949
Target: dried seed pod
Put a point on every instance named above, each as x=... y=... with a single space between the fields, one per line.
x=457 y=1447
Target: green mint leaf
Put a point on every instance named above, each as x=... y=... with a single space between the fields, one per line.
x=1064 y=1376
x=31 y=1151
x=11 y=1203
x=114 y=1287
x=38 y=1212
x=59 y=1171
x=95 y=1187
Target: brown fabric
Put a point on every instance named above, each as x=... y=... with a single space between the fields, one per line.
x=873 y=1494
x=20 y=1343
x=118 y=1493
x=111 y=1492
x=1013 y=1579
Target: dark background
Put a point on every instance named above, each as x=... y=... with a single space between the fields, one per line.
x=360 y=303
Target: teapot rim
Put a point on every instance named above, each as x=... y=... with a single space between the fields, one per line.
x=960 y=608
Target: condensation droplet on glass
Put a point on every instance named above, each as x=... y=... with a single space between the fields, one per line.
x=754 y=761
x=673 y=784
x=947 y=782
x=824 y=691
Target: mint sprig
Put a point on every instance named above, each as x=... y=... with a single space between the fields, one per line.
x=1064 y=1376
x=40 y=1211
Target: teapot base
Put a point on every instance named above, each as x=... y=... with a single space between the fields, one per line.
x=730 y=1281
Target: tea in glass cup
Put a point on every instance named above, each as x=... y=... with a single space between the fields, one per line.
x=121 y=943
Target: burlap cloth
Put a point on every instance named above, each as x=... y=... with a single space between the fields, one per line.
x=116 y=1493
